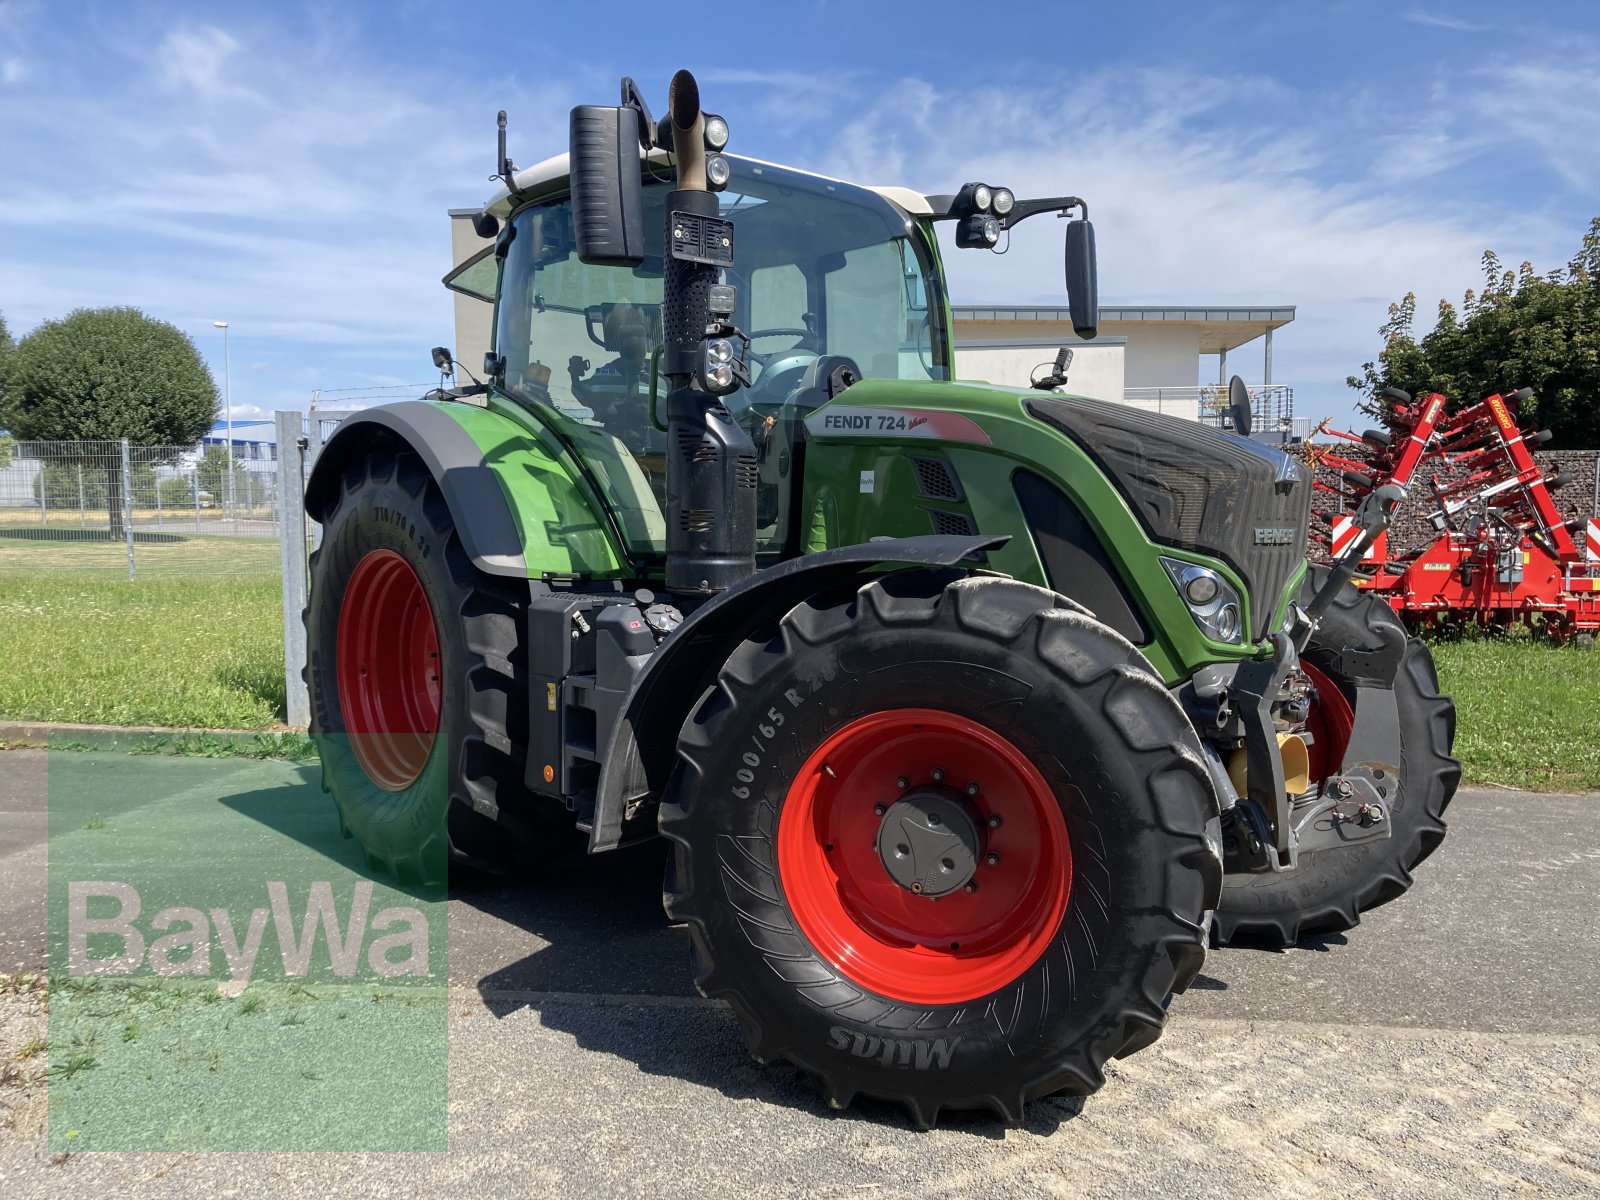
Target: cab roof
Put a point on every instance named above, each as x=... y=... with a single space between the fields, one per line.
x=546 y=176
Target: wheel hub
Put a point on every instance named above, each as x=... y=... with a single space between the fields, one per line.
x=928 y=842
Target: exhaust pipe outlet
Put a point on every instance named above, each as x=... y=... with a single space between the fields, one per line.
x=688 y=131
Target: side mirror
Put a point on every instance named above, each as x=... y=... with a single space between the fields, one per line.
x=1239 y=406
x=607 y=195
x=1083 y=284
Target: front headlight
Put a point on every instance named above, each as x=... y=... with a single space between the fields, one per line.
x=1211 y=600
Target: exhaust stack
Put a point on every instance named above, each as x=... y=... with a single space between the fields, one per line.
x=711 y=463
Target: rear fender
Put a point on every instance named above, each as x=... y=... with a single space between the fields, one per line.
x=517 y=504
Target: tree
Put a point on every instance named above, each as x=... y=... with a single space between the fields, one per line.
x=110 y=373
x=1521 y=330
x=6 y=350
x=213 y=470
x=106 y=374
x=178 y=493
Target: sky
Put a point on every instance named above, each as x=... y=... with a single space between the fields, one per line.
x=287 y=167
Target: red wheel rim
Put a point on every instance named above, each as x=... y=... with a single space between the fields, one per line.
x=388 y=670
x=874 y=931
x=1330 y=721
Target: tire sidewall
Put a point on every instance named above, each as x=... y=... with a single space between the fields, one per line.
x=384 y=515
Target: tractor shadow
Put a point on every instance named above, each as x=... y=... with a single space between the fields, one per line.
x=584 y=943
x=603 y=965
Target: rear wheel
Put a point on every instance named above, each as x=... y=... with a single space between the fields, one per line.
x=945 y=841
x=418 y=688
x=1329 y=889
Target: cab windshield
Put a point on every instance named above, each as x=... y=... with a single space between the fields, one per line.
x=821 y=268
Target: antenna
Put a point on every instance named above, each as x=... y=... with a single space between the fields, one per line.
x=504 y=168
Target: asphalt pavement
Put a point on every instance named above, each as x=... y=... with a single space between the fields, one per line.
x=1448 y=1046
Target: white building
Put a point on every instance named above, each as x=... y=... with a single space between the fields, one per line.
x=1150 y=356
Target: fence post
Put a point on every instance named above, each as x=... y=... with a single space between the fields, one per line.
x=194 y=491
x=44 y=492
x=127 y=505
x=292 y=551
x=83 y=517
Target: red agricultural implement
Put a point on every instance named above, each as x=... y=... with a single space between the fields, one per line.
x=1501 y=552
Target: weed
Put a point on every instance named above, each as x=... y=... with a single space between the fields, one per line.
x=77 y=1062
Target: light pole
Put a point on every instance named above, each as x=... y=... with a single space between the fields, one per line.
x=227 y=408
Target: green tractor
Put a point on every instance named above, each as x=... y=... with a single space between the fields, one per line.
x=972 y=714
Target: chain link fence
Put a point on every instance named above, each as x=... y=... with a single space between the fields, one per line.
x=139 y=510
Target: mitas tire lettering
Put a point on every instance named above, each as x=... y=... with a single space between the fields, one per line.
x=913 y=1054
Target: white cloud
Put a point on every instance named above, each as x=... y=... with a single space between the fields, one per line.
x=13 y=70
x=1442 y=21
x=1192 y=208
x=197 y=60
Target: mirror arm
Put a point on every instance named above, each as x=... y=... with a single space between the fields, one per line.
x=1061 y=205
x=944 y=209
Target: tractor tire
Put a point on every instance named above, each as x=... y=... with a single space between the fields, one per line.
x=418 y=684
x=1329 y=889
x=1071 y=894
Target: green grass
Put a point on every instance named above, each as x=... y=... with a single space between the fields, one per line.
x=156 y=553
x=197 y=652
x=1528 y=715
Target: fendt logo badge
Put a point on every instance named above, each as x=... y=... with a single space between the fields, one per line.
x=1274 y=537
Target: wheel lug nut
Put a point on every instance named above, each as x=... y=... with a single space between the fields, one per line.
x=917 y=888
x=938 y=774
x=933 y=818
x=992 y=858
x=970 y=888
x=902 y=783
x=973 y=789
x=878 y=810
x=994 y=821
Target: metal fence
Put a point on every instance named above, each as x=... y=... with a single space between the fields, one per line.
x=111 y=506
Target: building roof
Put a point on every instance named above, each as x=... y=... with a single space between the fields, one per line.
x=1222 y=327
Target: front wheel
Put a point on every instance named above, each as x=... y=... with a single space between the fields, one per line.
x=943 y=841
x=1330 y=889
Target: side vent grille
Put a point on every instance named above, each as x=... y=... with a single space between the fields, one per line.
x=936 y=480
x=695 y=448
x=696 y=520
x=749 y=474
x=951 y=524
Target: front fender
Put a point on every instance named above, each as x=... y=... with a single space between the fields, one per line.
x=642 y=747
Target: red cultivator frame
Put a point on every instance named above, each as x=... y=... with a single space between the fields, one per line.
x=1502 y=552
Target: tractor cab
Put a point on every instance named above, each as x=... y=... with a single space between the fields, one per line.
x=832 y=281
